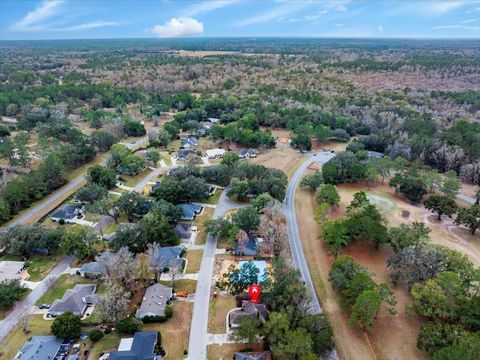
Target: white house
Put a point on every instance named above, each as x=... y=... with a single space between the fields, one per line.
x=215 y=153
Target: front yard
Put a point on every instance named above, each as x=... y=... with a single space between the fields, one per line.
x=194 y=258
x=131 y=181
x=182 y=285
x=198 y=222
x=60 y=286
x=217 y=316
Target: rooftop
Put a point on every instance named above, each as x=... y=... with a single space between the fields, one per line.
x=93 y=268
x=11 y=270
x=154 y=301
x=170 y=256
x=247 y=248
x=75 y=300
x=67 y=212
x=142 y=348
x=41 y=348
x=190 y=211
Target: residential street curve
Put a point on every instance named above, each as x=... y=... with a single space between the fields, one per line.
x=27 y=304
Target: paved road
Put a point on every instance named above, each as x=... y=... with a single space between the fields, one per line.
x=197 y=348
x=27 y=304
x=293 y=234
x=467 y=199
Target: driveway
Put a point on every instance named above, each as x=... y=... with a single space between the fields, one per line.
x=293 y=234
x=197 y=347
x=27 y=305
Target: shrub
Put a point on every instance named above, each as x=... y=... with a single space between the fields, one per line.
x=153 y=319
x=67 y=326
x=95 y=335
x=129 y=325
x=168 y=311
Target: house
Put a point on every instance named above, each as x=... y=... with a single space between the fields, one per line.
x=9 y=119
x=155 y=300
x=11 y=270
x=75 y=300
x=213 y=120
x=246 y=248
x=215 y=153
x=261 y=265
x=140 y=347
x=170 y=256
x=182 y=154
x=43 y=348
x=92 y=270
x=68 y=213
x=190 y=211
x=247 y=153
x=207 y=124
x=184 y=230
x=257 y=355
x=250 y=309
x=188 y=142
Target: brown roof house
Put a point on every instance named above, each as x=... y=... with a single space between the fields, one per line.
x=250 y=309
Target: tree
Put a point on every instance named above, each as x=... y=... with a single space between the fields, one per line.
x=133 y=128
x=154 y=264
x=359 y=201
x=321 y=332
x=132 y=165
x=240 y=189
x=273 y=230
x=469 y=217
x=365 y=309
x=79 y=241
x=384 y=166
x=442 y=205
x=405 y=236
x=328 y=193
x=129 y=325
x=432 y=180
x=451 y=185
x=220 y=227
x=436 y=335
x=102 y=140
x=320 y=213
x=371 y=174
x=91 y=193
x=334 y=234
x=456 y=352
x=95 y=335
x=312 y=181
x=102 y=176
x=230 y=158
x=128 y=202
x=248 y=330
x=67 y=326
x=113 y=304
x=296 y=345
x=153 y=155
x=24 y=322
x=246 y=218
x=120 y=267
x=236 y=280
x=194 y=188
x=53 y=172
x=175 y=269
x=10 y=292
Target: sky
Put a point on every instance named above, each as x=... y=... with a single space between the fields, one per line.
x=93 y=19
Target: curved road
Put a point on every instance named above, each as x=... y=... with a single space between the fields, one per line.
x=293 y=234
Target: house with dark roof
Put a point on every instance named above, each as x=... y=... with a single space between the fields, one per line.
x=190 y=211
x=256 y=355
x=183 y=153
x=75 y=300
x=155 y=300
x=250 y=309
x=92 y=270
x=247 y=153
x=43 y=348
x=170 y=256
x=184 y=230
x=68 y=213
x=141 y=347
x=188 y=142
x=246 y=248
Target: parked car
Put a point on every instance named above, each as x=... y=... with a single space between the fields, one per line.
x=45 y=306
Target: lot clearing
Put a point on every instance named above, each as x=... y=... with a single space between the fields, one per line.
x=285 y=159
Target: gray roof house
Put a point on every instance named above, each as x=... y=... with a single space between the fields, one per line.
x=183 y=153
x=142 y=348
x=189 y=142
x=258 y=355
x=43 y=348
x=92 y=269
x=75 y=300
x=11 y=270
x=247 y=248
x=68 y=212
x=154 y=301
x=166 y=256
x=183 y=230
x=258 y=311
x=247 y=153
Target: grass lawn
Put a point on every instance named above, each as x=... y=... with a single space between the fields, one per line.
x=219 y=307
x=175 y=331
x=226 y=351
x=16 y=338
x=198 y=222
x=110 y=228
x=182 y=285
x=194 y=258
x=167 y=158
x=38 y=266
x=213 y=199
x=108 y=343
x=131 y=181
x=63 y=283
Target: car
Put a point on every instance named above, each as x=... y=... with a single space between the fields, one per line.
x=303 y=151
x=51 y=315
x=315 y=154
x=332 y=151
x=182 y=294
x=229 y=248
x=45 y=306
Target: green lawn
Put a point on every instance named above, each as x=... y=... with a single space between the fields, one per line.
x=38 y=266
x=213 y=199
x=182 y=285
x=63 y=283
x=108 y=343
x=131 y=181
x=110 y=228
x=16 y=338
x=167 y=158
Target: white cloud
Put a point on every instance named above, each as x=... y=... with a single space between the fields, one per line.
x=31 y=21
x=339 y=25
x=380 y=29
x=469 y=21
x=182 y=26
x=447 y=27
x=286 y=9
x=206 y=7
x=90 y=25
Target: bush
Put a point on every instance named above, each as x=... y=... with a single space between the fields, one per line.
x=129 y=325
x=154 y=319
x=168 y=311
x=108 y=331
x=66 y=326
x=95 y=335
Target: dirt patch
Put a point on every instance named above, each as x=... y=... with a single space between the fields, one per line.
x=285 y=159
x=383 y=341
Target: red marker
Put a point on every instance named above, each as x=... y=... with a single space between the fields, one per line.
x=254 y=291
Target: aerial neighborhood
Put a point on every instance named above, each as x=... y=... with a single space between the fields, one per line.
x=237 y=198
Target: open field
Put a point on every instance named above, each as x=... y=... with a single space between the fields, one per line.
x=194 y=258
x=217 y=315
x=175 y=331
x=283 y=158
x=226 y=351
x=16 y=338
x=383 y=341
